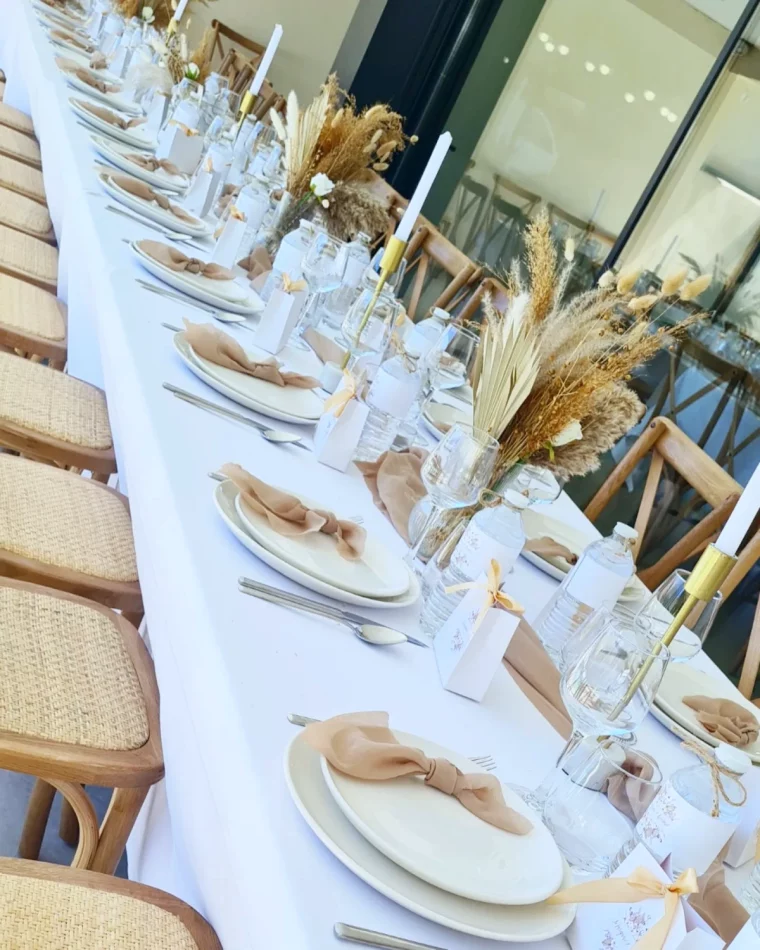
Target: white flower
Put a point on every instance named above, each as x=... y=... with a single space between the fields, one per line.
x=321 y=185
x=192 y=71
x=569 y=250
x=148 y=15
x=183 y=46
x=325 y=203
x=571 y=433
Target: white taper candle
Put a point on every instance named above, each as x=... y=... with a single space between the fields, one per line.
x=423 y=187
x=180 y=9
x=266 y=61
x=742 y=517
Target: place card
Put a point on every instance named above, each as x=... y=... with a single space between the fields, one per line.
x=227 y=248
x=278 y=319
x=470 y=645
x=157 y=112
x=201 y=194
x=340 y=426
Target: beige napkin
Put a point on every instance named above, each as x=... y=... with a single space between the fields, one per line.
x=175 y=260
x=98 y=61
x=362 y=745
x=530 y=667
x=85 y=76
x=73 y=40
x=141 y=189
x=325 y=348
x=548 y=547
x=290 y=517
x=219 y=347
x=151 y=164
x=396 y=486
x=257 y=263
x=107 y=116
x=630 y=797
x=715 y=902
x=725 y=719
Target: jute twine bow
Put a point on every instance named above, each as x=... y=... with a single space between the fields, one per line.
x=292 y=286
x=493 y=596
x=184 y=128
x=337 y=403
x=640 y=885
x=717 y=772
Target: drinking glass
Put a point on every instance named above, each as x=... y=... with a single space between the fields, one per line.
x=594 y=801
x=665 y=603
x=538 y=484
x=455 y=473
x=450 y=360
x=323 y=267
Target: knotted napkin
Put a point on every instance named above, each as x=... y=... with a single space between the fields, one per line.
x=291 y=518
x=175 y=260
x=641 y=885
x=716 y=904
x=725 y=719
x=110 y=117
x=396 y=486
x=547 y=547
x=256 y=263
x=151 y=164
x=219 y=347
x=72 y=40
x=630 y=797
x=325 y=348
x=85 y=76
x=98 y=61
x=141 y=189
x=362 y=745
x=494 y=596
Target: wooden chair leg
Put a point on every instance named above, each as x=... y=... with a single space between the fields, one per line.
x=68 y=827
x=37 y=814
x=122 y=812
x=752 y=658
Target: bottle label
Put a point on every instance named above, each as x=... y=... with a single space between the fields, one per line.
x=672 y=826
x=391 y=395
x=594 y=585
x=354 y=270
x=476 y=549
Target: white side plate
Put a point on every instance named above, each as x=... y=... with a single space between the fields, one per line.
x=152 y=211
x=117 y=153
x=113 y=100
x=137 y=136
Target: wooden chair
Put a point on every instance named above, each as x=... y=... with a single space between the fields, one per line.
x=238 y=69
x=26 y=215
x=69 y=533
x=32 y=321
x=44 y=905
x=21 y=147
x=668 y=445
x=487 y=286
x=27 y=181
x=51 y=416
x=2 y=89
x=16 y=120
x=28 y=258
x=80 y=706
x=751 y=664
x=431 y=259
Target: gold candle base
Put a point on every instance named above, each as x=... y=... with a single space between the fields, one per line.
x=171 y=29
x=246 y=105
x=389 y=264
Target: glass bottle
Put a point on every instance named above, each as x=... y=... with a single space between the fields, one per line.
x=338 y=302
x=110 y=34
x=288 y=257
x=494 y=533
x=423 y=335
x=392 y=392
x=695 y=782
x=185 y=104
x=253 y=201
x=597 y=580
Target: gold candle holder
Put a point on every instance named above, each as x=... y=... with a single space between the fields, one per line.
x=709 y=572
x=246 y=105
x=389 y=264
x=171 y=29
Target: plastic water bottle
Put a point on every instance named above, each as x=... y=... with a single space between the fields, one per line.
x=288 y=258
x=392 y=392
x=494 y=533
x=597 y=580
x=423 y=335
x=695 y=782
x=337 y=303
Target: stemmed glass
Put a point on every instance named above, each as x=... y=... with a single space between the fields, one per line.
x=449 y=362
x=455 y=473
x=323 y=267
x=666 y=602
x=538 y=484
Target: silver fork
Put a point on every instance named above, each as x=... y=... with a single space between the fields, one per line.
x=373 y=938
x=221 y=315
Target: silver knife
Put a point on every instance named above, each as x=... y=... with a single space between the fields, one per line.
x=373 y=938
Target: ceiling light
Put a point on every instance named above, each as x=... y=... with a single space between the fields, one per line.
x=544 y=37
x=604 y=69
x=664 y=112
x=589 y=67
x=563 y=50
x=649 y=95
x=672 y=117
x=549 y=47
x=629 y=97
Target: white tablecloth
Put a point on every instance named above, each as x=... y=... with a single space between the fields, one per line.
x=221 y=831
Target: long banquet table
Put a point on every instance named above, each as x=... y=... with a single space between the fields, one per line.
x=221 y=831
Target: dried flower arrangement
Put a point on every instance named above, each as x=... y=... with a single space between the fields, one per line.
x=551 y=381
x=337 y=142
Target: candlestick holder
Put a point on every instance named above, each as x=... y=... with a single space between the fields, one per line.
x=389 y=264
x=708 y=574
x=171 y=29
x=246 y=105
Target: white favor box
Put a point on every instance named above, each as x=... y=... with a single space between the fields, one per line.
x=175 y=145
x=201 y=194
x=278 y=319
x=156 y=114
x=468 y=659
x=746 y=939
x=228 y=245
x=336 y=438
x=742 y=845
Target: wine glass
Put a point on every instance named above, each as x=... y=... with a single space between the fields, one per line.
x=455 y=473
x=538 y=484
x=666 y=602
x=323 y=265
x=450 y=360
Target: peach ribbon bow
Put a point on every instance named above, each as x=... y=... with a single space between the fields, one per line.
x=640 y=885
x=292 y=286
x=337 y=403
x=184 y=128
x=493 y=594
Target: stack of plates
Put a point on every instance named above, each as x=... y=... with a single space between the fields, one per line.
x=114 y=100
x=65 y=16
x=152 y=211
x=378 y=579
x=118 y=155
x=681 y=680
x=137 y=136
x=426 y=852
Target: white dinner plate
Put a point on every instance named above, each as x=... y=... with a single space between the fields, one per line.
x=225 y=495
x=64 y=17
x=113 y=100
x=137 y=137
x=437 y=839
x=150 y=210
x=681 y=680
x=438 y=417
x=274 y=402
x=674 y=727
x=118 y=154
x=63 y=43
x=378 y=573
x=529 y=923
x=236 y=298
x=52 y=21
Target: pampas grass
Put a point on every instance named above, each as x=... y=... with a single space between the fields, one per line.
x=353 y=208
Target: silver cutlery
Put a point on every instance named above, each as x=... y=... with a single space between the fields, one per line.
x=176 y=236
x=271 y=435
x=221 y=315
x=170 y=326
x=369 y=631
x=487 y=762
x=373 y=938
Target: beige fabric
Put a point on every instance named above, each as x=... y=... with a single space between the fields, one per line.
x=725 y=719
x=67 y=676
x=715 y=902
x=25 y=214
x=18 y=145
x=61 y=519
x=175 y=260
x=39 y=914
x=16 y=176
x=530 y=667
x=396 y=486
x=15 y=119
x=141 y=189
x=547 y=547
x=22 y=255
x=51 y=403
x=30 y=309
